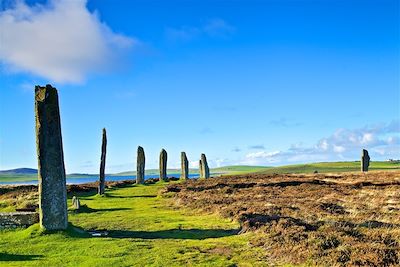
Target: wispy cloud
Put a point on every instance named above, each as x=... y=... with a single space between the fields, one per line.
x=236 y=149
x=382 y=140
x=215 y=27
x=87 y=164
x=257 y=147
x=60 y=40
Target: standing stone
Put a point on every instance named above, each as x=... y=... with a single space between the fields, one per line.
x=184 y=166
x=74 y=198
x=205 y=169
x=163 y=165
x=103 y=163
x=364 y=160
x=201 y=169
x=76 y=203
x=140 y=164
x=51 y=170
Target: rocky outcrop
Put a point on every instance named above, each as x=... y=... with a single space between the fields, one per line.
x=18 y=219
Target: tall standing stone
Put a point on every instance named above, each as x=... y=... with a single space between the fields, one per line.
x=201 y=169
x=103 y=163
x=184 y=166
x=163 y=165
x=364 y=160
x=140 y=165
x=51 y=170
x=204 y=167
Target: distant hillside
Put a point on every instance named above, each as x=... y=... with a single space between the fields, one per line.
x=148 y=172
x=20 y=171
x=220 y=170
x=239 y=169
x=27 y=174
x=324 y=167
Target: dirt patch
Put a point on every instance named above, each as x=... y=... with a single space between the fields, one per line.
x=341 y=219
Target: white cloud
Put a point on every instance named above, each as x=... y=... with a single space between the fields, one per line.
x=262 y=157
x=338 y=149
x=383 y=142
x=60 y=40
x=323 y=144
x=262 y=154
x=194 y=164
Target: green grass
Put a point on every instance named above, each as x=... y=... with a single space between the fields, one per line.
x=220 y=170
x=145 y=230
x=17 y=177
x=324 y=167
x=240 y=169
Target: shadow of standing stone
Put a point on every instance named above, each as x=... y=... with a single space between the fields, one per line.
x=51 y=171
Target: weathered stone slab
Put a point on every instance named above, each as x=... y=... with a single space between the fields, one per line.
x=102 y=177
x=18 y=219
x=364 y=160
x=140 y=165
x=76 y=203
x=51 y=171
x=163 y=165
x=201 y=175
x=204 y=168
x=184 y=166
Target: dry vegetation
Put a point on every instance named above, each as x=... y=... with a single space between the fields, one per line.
x=349 y=219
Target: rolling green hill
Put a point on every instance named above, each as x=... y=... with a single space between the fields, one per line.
x=323 y=167
x=220 y=170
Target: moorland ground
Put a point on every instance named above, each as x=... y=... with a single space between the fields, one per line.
x=259 y=219
x=337 y=219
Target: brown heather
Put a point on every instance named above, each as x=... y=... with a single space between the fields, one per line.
x=348 y=219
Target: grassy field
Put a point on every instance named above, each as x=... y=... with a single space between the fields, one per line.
x=145 y=230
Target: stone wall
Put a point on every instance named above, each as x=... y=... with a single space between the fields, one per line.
x=18 y=219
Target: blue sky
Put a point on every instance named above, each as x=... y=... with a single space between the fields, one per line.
x=246 y=82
